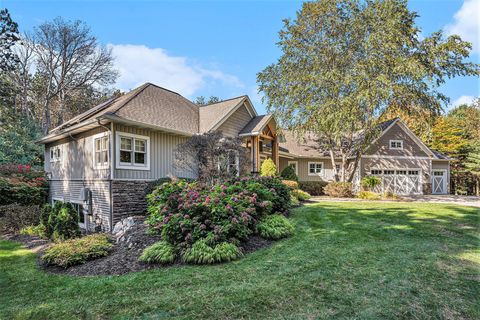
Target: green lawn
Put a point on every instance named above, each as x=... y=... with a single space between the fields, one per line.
x=347 y=260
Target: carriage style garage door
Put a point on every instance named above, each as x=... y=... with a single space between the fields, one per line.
x=399 y=181
x=439 y=181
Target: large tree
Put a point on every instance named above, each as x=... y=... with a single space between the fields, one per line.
x=68 y=58
x=345 y=62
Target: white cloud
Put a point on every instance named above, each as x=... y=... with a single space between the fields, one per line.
x=463 y=100
x=138 y=64
x=466 y=23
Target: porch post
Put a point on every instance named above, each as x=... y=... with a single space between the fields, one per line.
x=275 y=156
x=255 y=153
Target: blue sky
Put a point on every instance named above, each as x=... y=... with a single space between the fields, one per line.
x=217 y=47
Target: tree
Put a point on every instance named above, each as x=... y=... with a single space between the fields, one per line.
x=289 y=173
x=8 y=38
x=201 y=101
x=68 y=57
x=211 y=156
x=346 y=62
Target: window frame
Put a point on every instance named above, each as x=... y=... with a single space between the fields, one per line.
x=82 y=225
x=395 y=141
x=53 y=149
x=318 y=174
x=296 y=165
x=103 y=165
x=132 y=165
x=228 y=164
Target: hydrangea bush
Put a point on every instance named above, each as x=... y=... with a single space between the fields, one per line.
x=186 y=212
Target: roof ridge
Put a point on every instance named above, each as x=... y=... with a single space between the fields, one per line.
x=205 y=105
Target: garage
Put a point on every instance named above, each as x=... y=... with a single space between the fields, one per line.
x=398 y=181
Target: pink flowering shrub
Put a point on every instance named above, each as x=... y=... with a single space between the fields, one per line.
x=225 y=212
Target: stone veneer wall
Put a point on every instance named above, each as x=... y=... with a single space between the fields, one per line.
x=128 y=199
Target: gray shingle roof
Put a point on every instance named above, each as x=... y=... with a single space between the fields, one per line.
x=148 y=104
x=256 y=124
x=211 y=114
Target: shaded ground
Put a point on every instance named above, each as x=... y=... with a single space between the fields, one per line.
x=359 y=260
x=124 y=255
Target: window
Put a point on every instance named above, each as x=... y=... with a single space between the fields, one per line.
x=100 y=145
x=315 y=168
x=294 y=164
x=401 y=172
x=55 y=153
x=376 y=172
x=413 y=172
x=229 y=163
x=438 y=173
x=78 y=208
x=396 y=144
x=132 y=151
x=388 y=172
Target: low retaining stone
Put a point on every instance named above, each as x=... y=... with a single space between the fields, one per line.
x=128 y=199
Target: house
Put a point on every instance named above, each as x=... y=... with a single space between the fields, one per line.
x=102 y=160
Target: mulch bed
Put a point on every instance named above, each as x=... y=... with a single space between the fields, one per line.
x=124 y=255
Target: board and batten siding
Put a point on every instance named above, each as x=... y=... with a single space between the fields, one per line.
x=69 y=191
x=396 y=132
x=161 y=157
x=236 y=122
x=77 y=158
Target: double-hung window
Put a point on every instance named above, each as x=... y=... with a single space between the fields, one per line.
x=55 y=153
x=100 y=151
x=133 y=151
x=315 y=168
x=229 y=162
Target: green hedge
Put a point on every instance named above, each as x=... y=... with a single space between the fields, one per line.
x=314 y=188
x=23 y=193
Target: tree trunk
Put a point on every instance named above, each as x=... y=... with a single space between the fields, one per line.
x=355 y=165
x=332 y=159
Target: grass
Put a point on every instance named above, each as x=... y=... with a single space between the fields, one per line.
x=346 y=260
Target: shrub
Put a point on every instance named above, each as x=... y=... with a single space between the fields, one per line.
x=339 y=189
x=391 y=196
x=300 y=195
x=202 y=253
x=159 y=252
x=62 y=222
x=14 y=217
x=370 y=182
x=289 y=173
x=275 y=227
x=291 y=184
x=368 y=195
x=38 y=231
x=315 y=188
x=294 y=201
x=77 y=251
x=279 y=192
x=268 y=168
x=14 y=190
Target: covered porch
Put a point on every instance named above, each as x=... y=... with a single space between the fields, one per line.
x=261 y=140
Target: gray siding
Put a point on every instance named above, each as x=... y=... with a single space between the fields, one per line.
x=69 y=191
x=162 y=154
x=302 y=164
x=76 y=158
x=382 y=147
x=236 y=122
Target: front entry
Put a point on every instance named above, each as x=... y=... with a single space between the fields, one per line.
x=439 y=182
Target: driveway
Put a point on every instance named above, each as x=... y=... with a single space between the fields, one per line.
x=430 y=198
x=446 y=198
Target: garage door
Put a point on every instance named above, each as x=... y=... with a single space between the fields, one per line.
x=399 y=181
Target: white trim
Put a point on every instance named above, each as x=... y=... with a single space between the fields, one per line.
x=417 y=139
x=296 y=165
x=54 y=158
x=104 y=165
x=319 y=174
x=132 y=165
x=394 y=157
x=395 y=141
